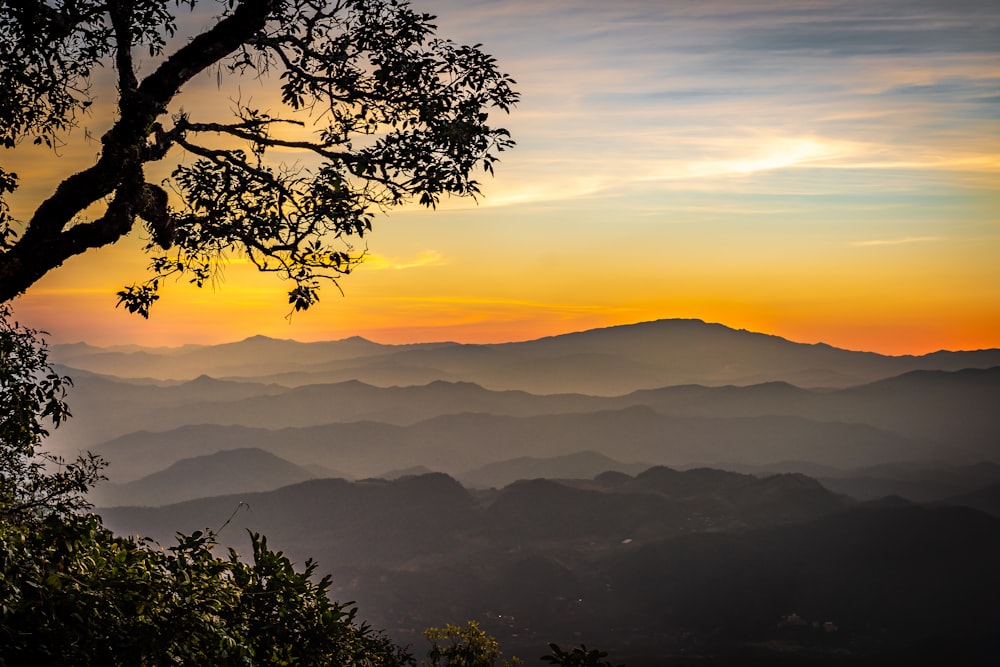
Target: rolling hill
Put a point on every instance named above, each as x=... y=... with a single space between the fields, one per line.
x=666 y=563
x=457 y=443
x=224 y=472
x=610 y=361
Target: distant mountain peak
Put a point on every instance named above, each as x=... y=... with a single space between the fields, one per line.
x=356 y=339
x=261 y=338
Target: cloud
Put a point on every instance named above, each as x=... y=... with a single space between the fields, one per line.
x=376 y=262
x=900 y=241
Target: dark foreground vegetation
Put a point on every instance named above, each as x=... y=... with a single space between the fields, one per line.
x=701 y=566
x=75 y=594
x=664 y=565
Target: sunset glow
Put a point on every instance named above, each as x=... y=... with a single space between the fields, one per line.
x=826 y=172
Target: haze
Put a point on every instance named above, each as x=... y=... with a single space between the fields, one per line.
x=672 y=489
x=821 y=171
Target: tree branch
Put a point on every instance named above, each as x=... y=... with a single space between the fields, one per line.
x=241 y=132
x=120 y=12
x=45 y=245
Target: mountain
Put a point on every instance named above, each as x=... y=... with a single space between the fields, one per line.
x=106 y=408
x=257 y=355
x=458 y=443
x=372 y=521
x=667 y=563
x=729 y=427
x=220 y=473
x=956 y=407
x=594 y=506
x=580 y=465
x=863 y=583
x=949 y=412
x=609 y=361
x=358 y=449
x=379 y=522
x=914 y=480
x=986 y=499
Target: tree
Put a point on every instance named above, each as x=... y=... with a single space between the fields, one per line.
x=455 y=646
x=34 y=483
x=380 y=111
x=74 y=594
x=579 y=656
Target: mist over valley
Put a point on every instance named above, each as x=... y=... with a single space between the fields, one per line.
x=669 y=491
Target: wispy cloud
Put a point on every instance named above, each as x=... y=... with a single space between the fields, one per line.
x=706 y=135
x=377 y=262
x=900 y=241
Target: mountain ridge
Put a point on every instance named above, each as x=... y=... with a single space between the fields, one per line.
x=602 y=361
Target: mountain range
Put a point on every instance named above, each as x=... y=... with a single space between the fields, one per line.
x=669 y=488
x=696 y=563
x=354 y=429
x=361 y=430
x=610 y=361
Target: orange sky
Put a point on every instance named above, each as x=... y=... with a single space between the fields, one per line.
x=822 y=172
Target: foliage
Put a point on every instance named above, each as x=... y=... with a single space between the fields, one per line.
x=578 y=657
x=384 y=113
x=377 y=110
x=455 y=646
x=33 y=482
x=76 y=594
x=73 y=593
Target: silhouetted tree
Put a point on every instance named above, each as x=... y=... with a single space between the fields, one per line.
x=380 y=110
x=34 y=483
x=382 y=113
x=579 y=656
x=74 y=594
x=469 y=646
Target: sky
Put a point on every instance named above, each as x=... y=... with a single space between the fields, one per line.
x=822 y=171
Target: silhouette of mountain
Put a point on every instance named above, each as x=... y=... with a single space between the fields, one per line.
x=948 y=407
x=914 y=480
x=701 y=563
x=105 y=407
x=220 y=473
x=581 y=465
x=406 y=472
x=882 y=578
x=457 y=443
x=931 y=404
x=324 y=517
x=372 y=521
x=665 y=563
x=947 y=415
x=986 y=499
x=257 y=355
x=609 y=361
x=111 y=408
x=358 y=449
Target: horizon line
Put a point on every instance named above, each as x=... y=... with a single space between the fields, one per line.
x=676 y=320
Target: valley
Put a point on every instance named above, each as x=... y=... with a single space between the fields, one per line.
x=670 y=491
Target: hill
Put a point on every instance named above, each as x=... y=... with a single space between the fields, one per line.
x=986 y=499
x=216 y=474
x=458 y=443
x=581 y=465
x=699 y=563
x=947 y=412
x=610 y=361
